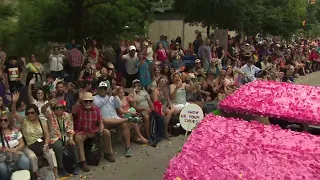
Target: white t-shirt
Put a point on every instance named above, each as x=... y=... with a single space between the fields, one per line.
x=56 y=62
x=149 y=53
x=39 y=105
x=130 y=63
x=13 y=139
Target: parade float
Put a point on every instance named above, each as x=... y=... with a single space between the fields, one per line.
x=229 y=149
x=237 y=146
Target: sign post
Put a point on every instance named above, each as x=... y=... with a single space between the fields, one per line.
x=190 y=116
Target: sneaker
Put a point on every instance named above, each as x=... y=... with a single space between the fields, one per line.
x=84 y=167
x=127 y=152
x=109 y=157
x=134 y=119
x=63 y=173
x=76 y=170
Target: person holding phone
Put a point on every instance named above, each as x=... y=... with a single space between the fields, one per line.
x=178 y=91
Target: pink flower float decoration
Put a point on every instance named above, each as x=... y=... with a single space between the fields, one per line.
x=291 y=102
x=232 y=149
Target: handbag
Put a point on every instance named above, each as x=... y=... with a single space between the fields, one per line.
x=92 y=150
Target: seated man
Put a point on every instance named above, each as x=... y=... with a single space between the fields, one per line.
x=88 y=124
x=109 y=106
x=250 y=71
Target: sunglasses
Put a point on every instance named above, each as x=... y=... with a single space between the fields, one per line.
x=59 y=108
x=103 y=88
x=3 y=120
x=88 y=101
x=31 y=112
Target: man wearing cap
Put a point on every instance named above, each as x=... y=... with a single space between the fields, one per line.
x=109 y=106
x=130 y=60
x=88 y=124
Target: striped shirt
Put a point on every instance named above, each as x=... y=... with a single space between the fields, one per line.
x=87 y=120
x=75 y=57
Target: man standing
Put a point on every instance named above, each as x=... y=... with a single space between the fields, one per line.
x=88 y=124
x=130 y=60
x=76 y=61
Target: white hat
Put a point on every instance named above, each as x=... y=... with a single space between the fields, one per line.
x=103 y=84
x=132 y=48
x=135 y=81
x=247 y=44
x=197 y=61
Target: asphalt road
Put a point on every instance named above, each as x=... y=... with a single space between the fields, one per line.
x=149 y=163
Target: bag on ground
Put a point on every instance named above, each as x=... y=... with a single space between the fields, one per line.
x=92 y=151
x=156 y=128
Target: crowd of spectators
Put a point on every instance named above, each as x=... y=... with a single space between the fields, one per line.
x=90 y=91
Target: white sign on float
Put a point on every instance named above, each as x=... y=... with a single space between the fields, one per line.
x=190 y=116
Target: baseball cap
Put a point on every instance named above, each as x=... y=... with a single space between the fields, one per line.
x=135 y=81
x=197 y=60
x=131 y=48
x=103 y=84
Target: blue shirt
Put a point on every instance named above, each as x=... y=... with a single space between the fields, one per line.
x=108 y=106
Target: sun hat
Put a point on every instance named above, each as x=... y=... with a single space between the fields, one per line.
x=87 y=96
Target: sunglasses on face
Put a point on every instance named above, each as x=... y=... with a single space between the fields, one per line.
x=103 y=88
x=59 y=108
x=3 y=120
x=88 y=101
x=31 y=112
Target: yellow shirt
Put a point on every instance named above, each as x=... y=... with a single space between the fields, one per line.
x=34 y=68
x=32 y=132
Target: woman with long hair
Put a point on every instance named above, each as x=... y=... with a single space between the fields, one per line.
x=229 y=83
x=11 y=147
x=155 y=76
x=39 y=99
x=162 y=95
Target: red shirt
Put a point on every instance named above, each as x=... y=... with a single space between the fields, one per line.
x=75 y=57
x=87 y=120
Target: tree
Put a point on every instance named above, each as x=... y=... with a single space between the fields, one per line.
x=38 y=22
x=276 y=17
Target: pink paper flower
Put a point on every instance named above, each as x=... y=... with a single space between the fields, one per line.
x=287 y=101
x=232 y=149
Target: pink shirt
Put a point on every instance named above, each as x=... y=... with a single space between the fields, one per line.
x=161 y=55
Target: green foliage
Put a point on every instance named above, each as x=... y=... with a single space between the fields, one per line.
x=276 y=17
x=37 y=22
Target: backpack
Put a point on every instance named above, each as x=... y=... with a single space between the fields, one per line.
x=92 y=151
x=156 y=128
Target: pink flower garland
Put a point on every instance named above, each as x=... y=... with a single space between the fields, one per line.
x=291 y=102
x=226 y=149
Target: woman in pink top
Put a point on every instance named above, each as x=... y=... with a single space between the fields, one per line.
x=161 y=54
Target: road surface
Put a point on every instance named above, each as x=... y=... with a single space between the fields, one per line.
x=149 y=163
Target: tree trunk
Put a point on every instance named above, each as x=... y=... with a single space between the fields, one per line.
x=208 y=31
x=78 y=19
